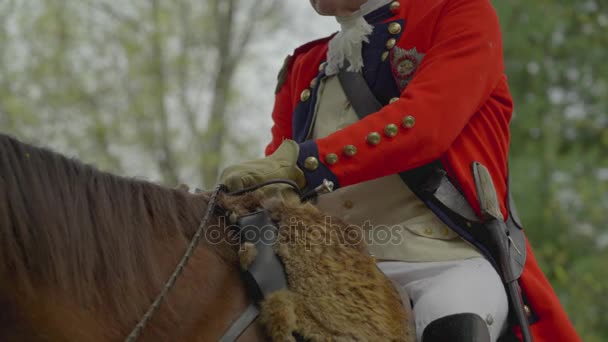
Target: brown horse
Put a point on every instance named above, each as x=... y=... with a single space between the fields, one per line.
x=83 y=253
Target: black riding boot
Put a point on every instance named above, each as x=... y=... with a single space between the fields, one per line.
x=465 y=327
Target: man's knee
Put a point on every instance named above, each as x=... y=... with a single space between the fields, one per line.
x=463 y=327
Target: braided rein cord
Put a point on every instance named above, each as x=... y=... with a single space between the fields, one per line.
x=137 y=330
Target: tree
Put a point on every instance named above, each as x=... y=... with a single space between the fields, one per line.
x=559 y=158
x=147 y=78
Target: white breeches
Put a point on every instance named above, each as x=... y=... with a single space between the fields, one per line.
x=438 y=289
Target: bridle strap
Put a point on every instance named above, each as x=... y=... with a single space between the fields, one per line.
x=266 y=274
x=241 y=324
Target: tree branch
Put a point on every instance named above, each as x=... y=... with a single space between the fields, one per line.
x=167 y=163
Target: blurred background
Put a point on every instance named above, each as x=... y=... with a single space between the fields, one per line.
x=172 y=91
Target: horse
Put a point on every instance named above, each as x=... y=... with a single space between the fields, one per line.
x=83 y=253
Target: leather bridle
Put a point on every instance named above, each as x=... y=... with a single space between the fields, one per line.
x=264 y=276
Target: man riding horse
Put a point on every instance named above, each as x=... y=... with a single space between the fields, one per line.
x=401 y=109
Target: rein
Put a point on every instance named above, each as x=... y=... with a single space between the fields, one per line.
x=137 y=330
x=250 y=314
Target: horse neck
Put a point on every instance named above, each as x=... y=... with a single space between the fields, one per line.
x=207 y=297
x=83 y=253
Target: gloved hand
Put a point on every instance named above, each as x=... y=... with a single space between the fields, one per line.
x=281 y=164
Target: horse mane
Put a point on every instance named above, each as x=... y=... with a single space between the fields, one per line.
x=92 y=235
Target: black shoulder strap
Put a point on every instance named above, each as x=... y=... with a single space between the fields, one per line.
x=426 y=179
x=357 y=91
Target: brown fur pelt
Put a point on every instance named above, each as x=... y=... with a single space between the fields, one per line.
x=336 y=292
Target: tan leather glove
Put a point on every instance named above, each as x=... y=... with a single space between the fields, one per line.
x=281 y=164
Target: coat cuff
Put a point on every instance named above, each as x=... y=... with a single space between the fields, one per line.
x=314 y=170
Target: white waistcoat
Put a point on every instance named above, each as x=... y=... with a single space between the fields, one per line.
x=398 y=225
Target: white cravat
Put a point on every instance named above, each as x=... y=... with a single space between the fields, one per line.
x=347 y=44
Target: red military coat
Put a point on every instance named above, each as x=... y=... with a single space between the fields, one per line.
x=437 y=66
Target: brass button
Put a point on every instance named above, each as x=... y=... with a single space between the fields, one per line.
x=305 y=95
x=409 y=121
x=311 y=163
x=391 y=43
x=445 y=231
x=527 y=311
x=348 y=204
x=391 y=130
x=394 y=28
x=331 y=158
x=373 y=138
x=313 y=83
x=428 y=231
x=393 y=100
x=322 y=66
x=395 y=6
x=384 y=55
x=350 y=150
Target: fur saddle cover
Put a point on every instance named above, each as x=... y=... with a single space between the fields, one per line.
x=336 y=292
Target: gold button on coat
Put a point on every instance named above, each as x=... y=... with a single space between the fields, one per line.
x=395 y=6
x=391 y=43
x=391 y=130
x=331 y=158
x=350 y=150
x=527 y=311
x=374 y=138
x=305 y=95
x=311 y=163
x=393 y=100
x=409 y=121
x=394 y=28
x=384 y=55
x=313 y=83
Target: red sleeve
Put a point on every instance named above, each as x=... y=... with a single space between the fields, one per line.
x=283 y=109
x=455 y=78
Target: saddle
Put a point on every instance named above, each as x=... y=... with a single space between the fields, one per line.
x=312 y=277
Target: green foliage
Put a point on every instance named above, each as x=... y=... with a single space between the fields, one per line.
x=555 y=60
x=127 y=84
